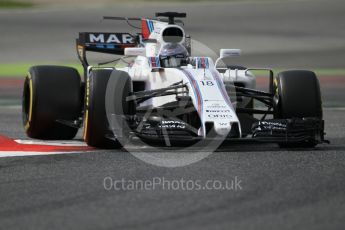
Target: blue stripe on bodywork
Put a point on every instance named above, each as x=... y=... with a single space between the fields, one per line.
x=158 y=64
x=197 y=94
x=152 y=25
x=221 y=87
x=149 y=25
x=196 y=90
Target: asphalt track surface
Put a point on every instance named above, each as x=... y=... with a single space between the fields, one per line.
x=281 y=189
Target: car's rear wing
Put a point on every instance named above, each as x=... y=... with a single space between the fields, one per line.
x=111 y=43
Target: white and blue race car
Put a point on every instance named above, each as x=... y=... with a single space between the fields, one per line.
x=166 y=95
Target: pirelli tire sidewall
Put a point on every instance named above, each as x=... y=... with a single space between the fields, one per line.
x=51 y=94
x=96 y=126
x=118 y=109
x=297 y=95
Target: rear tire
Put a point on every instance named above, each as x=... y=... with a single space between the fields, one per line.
x=96 y=125
x=297 y=95
x=51 y=93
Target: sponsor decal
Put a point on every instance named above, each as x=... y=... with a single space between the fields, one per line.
x=223 y=123
x=112 y=38
x=211 y=115
x=169 y=124
x=218 y=111
x=172 y=126
x=216 y=106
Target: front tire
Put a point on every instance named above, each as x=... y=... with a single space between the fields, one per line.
x=297 y=95
x=96 y=127
x=119 y=110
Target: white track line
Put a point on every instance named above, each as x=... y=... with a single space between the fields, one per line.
x=55 y=143
x=21 y=154
x=334 y=108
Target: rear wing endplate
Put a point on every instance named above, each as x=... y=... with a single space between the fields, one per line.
x=111 y=43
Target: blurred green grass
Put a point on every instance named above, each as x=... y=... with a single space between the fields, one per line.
x=21 y=69
x=12 y=4
x=324 y=72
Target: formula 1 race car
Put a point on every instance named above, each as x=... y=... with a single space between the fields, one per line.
x=166 y=93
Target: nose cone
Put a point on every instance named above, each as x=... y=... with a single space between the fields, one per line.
x=222 y=128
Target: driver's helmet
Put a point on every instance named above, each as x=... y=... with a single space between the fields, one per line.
x=173 y=55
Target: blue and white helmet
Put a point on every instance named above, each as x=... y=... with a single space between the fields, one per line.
x=173 y=55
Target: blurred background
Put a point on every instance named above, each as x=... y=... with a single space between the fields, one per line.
x=271 y=33
x=279 y=34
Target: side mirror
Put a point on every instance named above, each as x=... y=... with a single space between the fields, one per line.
x=135 y=51
x=229 y=53
x=225 y=53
